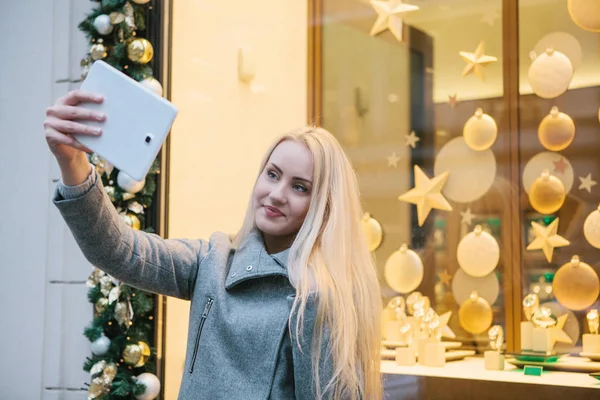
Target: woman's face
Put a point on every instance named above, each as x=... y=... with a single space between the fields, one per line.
x=283 y=190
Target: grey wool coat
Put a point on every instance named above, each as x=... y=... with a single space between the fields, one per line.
x=239 y=344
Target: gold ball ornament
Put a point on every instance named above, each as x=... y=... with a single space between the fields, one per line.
x=98 y=50
x=475 y=315
x=141 y=1
x=373 y=232
x=591 y=228
x=556 y=131
x=132 y=220
x=132 y=354
x=404 y=270
x=585 y=14
x=550 y=74
x=480 y=131
x=140 y=50
x=547 y=194
x=144 y=354
x=576 y=285
x=478 y=253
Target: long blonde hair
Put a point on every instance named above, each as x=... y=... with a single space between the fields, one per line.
x=330 y=259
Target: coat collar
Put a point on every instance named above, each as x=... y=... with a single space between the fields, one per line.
x=251 y=261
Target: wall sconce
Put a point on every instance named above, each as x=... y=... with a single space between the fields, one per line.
x=246 y=65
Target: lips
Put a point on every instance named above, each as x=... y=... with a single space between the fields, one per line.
x=273 y=212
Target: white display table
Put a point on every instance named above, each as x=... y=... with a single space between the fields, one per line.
x=472 y=368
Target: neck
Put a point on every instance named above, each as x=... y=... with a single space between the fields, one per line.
x=277 y=244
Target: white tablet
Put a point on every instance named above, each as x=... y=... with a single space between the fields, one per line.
x=137 y=120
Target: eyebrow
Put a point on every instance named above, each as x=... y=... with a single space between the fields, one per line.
x=295 y=177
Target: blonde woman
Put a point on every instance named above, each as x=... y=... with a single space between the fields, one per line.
x=288 y=309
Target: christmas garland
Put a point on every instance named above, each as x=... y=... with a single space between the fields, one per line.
x=122 y=365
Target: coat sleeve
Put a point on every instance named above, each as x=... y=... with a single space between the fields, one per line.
x=304 y=381
x=139 y=259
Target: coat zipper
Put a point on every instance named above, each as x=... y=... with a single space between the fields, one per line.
x=207 y=307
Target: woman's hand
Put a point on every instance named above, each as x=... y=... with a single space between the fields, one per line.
x=60 y=124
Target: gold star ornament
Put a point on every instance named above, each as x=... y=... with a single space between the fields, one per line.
x=558 y=333
x=446 y=331
x=389 y=16
x=452 y=100
x=476 y=62
x=427 y=194
x=546 y=239
x=445 y=277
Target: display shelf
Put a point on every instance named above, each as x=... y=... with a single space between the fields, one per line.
x=473 y=368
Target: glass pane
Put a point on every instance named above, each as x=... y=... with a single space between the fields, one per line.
x=398 y=101
x=560 y=134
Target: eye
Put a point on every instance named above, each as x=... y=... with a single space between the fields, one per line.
x=300 y=188
x=272 y=174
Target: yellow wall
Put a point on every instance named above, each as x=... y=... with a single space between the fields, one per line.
x=224 y=126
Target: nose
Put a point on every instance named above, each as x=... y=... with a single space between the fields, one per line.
x=277 y=195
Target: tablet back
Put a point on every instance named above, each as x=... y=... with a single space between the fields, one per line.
x=138 y=120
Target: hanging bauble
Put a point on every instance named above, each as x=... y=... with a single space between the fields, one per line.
x=470 y=173
x=547 y=194
x=556 y=131
x=463 y=285
x=585 y=14
x=561 y=41
x=480 y=131
x=145 y=354
x=100 y=346
x=373 y=233
x=132 y=354
x=550 y=161
x=98 y=50
x=101 y=305
x=152 y=384
x=129 y=184
x=591 y=228
x=404 y=270
x=576 y=285
x=475 y=315
x=478 y=253
x=141 y=1
x=102 y=24
x=132 y=220
x=140 y=50
x=153 y=85
x=550 y=74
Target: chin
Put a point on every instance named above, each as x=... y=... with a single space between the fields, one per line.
x=270 y=227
